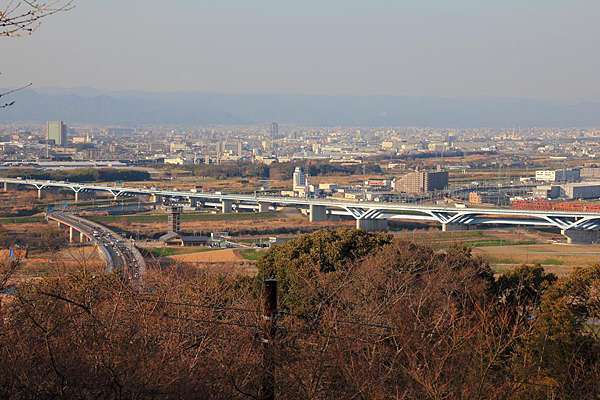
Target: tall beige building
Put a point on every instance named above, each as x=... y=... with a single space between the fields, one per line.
x=420 y=182
x=57 y=131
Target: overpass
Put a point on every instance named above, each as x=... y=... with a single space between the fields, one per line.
x=578 y=227
x=119 y=254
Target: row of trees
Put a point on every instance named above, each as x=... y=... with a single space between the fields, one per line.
x=81 y=175
x=360 y=316
x=282 y=171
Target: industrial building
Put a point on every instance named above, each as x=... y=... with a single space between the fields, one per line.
x=559 y=175
x=589 y=190
x=547 y=192
x=590 y=172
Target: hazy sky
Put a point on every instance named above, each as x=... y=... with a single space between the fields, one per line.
x=520 y=48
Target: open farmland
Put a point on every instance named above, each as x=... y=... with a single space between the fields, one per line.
x=56 y=263
x=213 y=256
x=557 y=258
x=506 y=249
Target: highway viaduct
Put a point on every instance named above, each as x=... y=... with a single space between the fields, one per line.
x=577 y=227
x=119 y=254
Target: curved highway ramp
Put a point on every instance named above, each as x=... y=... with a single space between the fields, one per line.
x=120 y=254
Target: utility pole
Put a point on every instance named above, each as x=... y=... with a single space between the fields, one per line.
x=270 y=314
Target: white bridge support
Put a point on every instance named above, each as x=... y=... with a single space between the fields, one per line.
x=226 y=206
x=6 y=186
x=76 y=190
x=39 y=190
x=317 y=213
x=115 y=194
x=368 y=219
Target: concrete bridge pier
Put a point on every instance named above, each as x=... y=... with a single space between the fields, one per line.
x=116 y=195
x=76 y=195
x=39 y=190
x=6 y=186
x=71 y=234
x=317 y=213
x=454 y=227
x=580 y=236
x=81 y=237
x=264 y=207
x=372 y=225
x=226 y=206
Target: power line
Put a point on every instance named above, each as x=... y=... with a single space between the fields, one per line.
x=210 y=321
x=206 y=306
x=357 y=323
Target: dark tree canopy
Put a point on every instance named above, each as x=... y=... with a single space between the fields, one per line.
x=361 y=316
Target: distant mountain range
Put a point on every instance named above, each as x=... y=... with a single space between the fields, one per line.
x=193 y=108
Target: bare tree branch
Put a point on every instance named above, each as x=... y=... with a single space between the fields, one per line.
x=18 y=17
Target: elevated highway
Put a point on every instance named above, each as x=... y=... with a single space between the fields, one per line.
x=120 y=255
x=578 y=227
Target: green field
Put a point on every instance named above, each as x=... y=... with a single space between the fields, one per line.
x=497 y=242
x=251 y=254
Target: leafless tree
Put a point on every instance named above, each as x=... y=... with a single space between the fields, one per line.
x=19 y=17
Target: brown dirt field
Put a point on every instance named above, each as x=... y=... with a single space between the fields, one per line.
x=215 y=256
x=52 y=264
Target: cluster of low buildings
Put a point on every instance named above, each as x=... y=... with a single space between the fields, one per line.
x=413 y=183
x=568 y=183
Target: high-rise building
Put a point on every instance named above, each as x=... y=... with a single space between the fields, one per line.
x=57 y=131
x=299 y=180
x=274 y=130
x=420 y=182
